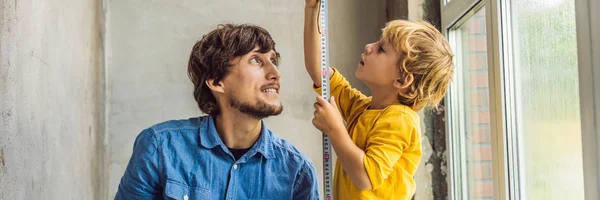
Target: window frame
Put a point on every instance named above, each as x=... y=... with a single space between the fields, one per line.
x=588 y=53
x=457 y=145
x=454 y=13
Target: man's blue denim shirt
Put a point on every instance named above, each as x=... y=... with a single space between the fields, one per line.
x=186 y=159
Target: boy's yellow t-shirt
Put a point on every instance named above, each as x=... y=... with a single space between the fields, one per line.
x=390 y=137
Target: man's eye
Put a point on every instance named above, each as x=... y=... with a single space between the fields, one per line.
x=381 y=49
x=254 y=60
x=274 y=61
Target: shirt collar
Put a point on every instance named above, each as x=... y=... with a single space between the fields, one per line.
x=209 y=138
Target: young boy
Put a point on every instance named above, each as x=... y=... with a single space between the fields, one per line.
x=379 y=149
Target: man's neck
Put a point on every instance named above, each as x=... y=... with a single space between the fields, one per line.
x=237 y=130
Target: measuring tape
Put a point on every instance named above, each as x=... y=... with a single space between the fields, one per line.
x=327 y=180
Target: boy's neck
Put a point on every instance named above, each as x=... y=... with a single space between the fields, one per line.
x=382 y=99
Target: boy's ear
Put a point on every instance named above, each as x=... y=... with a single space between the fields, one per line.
x=404 y=81
x=215 y=86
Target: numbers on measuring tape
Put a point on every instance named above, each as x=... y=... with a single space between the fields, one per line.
x=325 y=93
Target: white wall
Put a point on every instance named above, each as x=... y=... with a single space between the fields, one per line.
x=149 y=44
x=50 y=92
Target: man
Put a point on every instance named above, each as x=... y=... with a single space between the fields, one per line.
x=228 y=154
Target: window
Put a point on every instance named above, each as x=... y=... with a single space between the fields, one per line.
x=514 y=116
x=473 y=111
x=544 y=67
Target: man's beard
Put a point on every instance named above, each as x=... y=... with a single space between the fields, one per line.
x=258 y=110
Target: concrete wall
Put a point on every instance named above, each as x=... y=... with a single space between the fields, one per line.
x=149 y=44
x=50 y=92
x=431 y=176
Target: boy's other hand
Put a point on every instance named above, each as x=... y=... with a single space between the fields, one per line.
x=327 y=116
x=312 y=3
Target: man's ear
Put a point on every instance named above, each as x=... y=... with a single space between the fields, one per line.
x=404 y=81
x=215 y=86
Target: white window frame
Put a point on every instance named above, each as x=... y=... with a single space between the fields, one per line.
x=452 y=13
x=588 y=53
x=502 y=103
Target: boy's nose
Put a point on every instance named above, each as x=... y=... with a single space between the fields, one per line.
x=368 y=48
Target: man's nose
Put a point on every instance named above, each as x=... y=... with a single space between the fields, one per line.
x=272 y=72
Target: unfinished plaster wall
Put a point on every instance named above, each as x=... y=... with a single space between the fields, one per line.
x=432 y=177
x=50 y=100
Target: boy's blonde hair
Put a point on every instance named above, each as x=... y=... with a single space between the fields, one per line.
x=424 y=53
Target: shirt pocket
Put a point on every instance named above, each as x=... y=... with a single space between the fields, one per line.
x=179 y=191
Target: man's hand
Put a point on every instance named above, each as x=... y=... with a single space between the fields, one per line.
x=312 y=3
x=327 y=117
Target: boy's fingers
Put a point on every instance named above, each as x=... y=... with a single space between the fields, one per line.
x=318 y=108
x=320 y=99
x=332 y=101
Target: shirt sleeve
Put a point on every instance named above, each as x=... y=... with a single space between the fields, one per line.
x=347 y=98
x=141 y=178
x=391 y=135
x=306 y=185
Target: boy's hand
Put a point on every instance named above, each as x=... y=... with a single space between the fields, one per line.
x=312 y=3
x=327 y=117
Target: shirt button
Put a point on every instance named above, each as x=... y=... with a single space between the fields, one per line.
x=185 y=197
x=234 y=166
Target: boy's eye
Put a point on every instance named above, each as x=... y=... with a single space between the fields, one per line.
x=254 y=60
x=274 y=61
